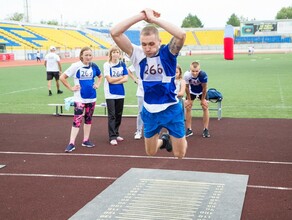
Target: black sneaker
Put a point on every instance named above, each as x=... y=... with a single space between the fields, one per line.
x=189 y=132
x=59 y=92
x=50 y=93
x=166 y=142
x=206 y=133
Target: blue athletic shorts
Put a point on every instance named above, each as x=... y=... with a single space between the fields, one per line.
x=171 y=118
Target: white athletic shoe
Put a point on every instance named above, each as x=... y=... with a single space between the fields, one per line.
x=138 y=135
x=120 y=138
x=114 y=142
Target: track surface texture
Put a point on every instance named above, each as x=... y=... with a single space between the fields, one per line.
x=40 y=181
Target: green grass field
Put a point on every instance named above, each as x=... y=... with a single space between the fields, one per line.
x=257 y=86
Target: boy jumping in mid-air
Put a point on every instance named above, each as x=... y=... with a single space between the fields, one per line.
x=155 y=65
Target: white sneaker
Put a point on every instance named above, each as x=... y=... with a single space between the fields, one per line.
x=114 y=142
x=138 y=135
x=120 y=138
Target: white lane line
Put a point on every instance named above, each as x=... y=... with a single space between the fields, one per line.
x=269 y=187
x=243 y=161
x=57 y=176
x=23 y=90
x=114 y=178
x=279 y=106
x=148 y=157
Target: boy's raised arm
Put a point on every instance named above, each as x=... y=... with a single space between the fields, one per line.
x=117 y=32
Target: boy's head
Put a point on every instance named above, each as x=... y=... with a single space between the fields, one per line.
x=150 y=41
x=195 y=68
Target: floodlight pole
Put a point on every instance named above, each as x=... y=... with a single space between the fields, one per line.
x=26 y=10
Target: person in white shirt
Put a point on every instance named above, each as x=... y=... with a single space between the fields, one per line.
x=84 y=73
x=140 y=97
x=115 y=74
x=53 y=68
x=38 y=56
x=250 y=50
x=196 y=88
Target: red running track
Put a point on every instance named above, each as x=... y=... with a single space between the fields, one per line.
x=40 y=181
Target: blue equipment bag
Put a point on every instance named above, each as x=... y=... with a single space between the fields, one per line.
x=213 y=95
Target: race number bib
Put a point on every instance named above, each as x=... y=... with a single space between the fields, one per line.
x=86 y=74
x=154 y=70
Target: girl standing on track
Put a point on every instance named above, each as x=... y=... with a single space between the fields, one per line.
x=84 y=73
x=180 y=84
x=115 y=74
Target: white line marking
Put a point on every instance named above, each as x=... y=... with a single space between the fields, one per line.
x=114 y=178
x=269 y=187
x=243 y=161
x=147 y=157
x=57 y=176
x=23 y=90
x=281 y=106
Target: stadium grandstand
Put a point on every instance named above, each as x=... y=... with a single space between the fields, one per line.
x=22 y=40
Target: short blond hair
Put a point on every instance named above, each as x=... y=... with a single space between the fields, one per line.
x=195 y=64
x=148 y=30
x=111 y=50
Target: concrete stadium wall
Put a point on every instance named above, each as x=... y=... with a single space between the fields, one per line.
x=238 y=48
x=31 y=54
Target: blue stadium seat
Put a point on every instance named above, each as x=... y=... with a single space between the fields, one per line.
x=30 y=39
x=84 y=34
x=8 y=42
x=133 y=35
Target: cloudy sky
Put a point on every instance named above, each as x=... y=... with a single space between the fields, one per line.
x=211 y=13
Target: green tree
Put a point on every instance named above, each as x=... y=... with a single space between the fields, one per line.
x=52 y=22
x=192 y=21
x=285 y=13
x=234 y=21
x=16 y=17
